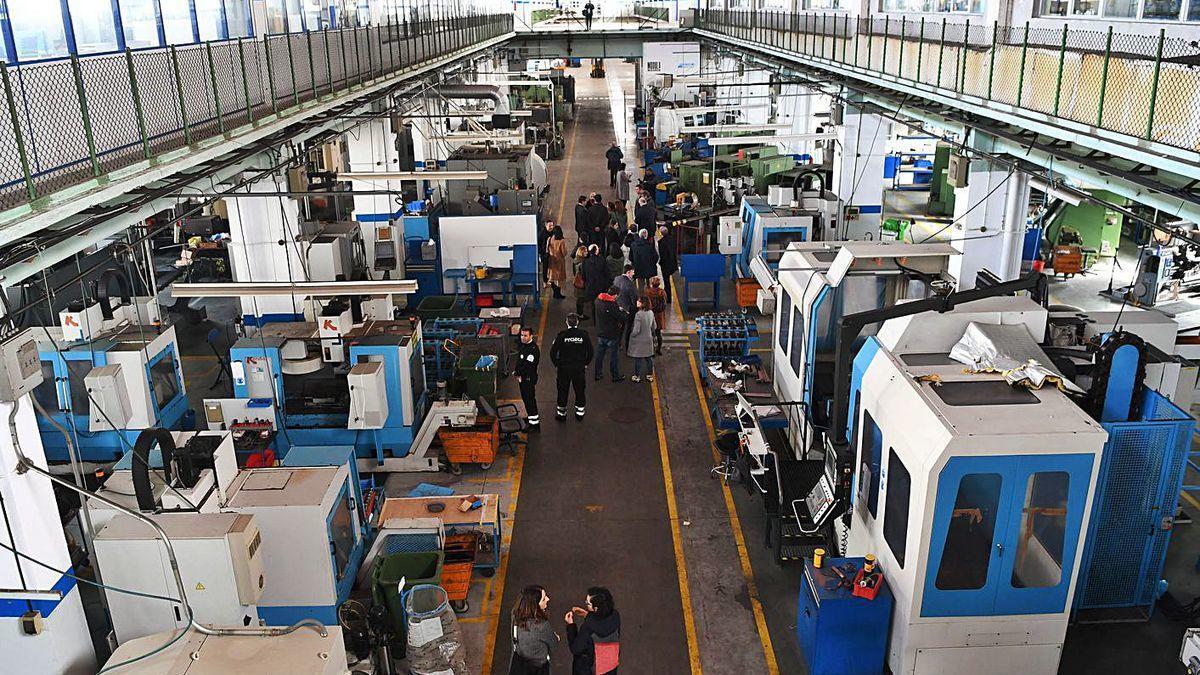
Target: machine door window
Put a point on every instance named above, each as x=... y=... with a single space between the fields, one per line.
x=341 y=534
x=76 y=371
x=785 y=313
x=1043 y=522
x=872 y=457
x=798 y=334
x=968 y=550
x=1005 y=534
x=895 y=510
x=164 y=381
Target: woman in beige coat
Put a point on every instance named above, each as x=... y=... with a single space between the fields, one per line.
x=556 y=249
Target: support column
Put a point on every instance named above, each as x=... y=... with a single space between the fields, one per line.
x=263 y=246
x=374 y=150
x=991 y=212
x=858 y=172
x=32 y=527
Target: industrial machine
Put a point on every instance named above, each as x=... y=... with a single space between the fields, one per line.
x=312 y=538
x=107 y=380
x=514 y=186
x=770 y=224
x=302 y=652
x=221 y=563
x=335 y=383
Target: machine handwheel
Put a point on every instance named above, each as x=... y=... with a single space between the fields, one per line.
x=487 y=572
x=460 y=606
x=455 y=468
x=485 y=465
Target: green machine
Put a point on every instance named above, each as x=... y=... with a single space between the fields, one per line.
x=765 y=164
x=941 y=194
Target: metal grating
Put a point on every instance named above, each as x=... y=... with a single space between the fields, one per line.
x=409 y=543
x=1137 y=493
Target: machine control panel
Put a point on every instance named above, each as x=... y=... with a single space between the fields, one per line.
x=20 y=364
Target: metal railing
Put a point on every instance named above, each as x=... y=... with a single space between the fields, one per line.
x=68 y=122
x=1146 y=87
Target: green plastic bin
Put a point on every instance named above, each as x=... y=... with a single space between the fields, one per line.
x=424 y=567
x=439 y=306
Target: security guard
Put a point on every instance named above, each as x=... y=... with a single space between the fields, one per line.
x=528 y=357
x=571 y=353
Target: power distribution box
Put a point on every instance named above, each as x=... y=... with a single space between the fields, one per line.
x=956 y=170
x=22 y=367
x=107 y=391
x=368 y=396
x=729 y=235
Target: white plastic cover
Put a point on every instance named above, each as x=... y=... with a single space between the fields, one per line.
x=1011 y=351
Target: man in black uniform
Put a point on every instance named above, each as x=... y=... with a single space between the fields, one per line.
x=571 y=353
x=528 y=357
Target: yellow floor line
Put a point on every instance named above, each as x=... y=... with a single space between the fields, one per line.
x=685 y=596
x=760 y=620
x=497 y=594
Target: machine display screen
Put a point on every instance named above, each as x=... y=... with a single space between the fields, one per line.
x=341 y=533
x=164 y=381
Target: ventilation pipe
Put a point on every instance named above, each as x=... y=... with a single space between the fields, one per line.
x=501 y=117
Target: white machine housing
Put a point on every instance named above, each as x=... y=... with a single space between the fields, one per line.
x=220 y=560
x=303 y=652
x=107 y=391
x=855 y=276
x=368 y=398
x=294 y=509
x=903 y=403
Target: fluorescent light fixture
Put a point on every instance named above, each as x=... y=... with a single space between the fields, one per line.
x=732 y=128
x=414 y=175
x=1052 y=191
x=741 y=140
x=520 y=83
x=288 y=288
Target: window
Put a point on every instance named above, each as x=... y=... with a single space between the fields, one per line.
x=94 y=27
x=237 y=18
x=895 y=510
x=872 y=455
x=341 y=533
x=1053 y=7
x=968 y=550
x=823 y=4
x=955 y=6
x=798 y=334
x=164 y=380
x=785 y=312
x=1194 y=11
x=1086 y=7
x=177 y=21
x=1125 y=9
x=1043 y=531
x=138 y=17
x=208 y=19
x=315 y=16
x=37 y=28
x=1163 y=10
x=295 y=18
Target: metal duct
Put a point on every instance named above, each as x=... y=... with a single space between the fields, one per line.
x=500 y=117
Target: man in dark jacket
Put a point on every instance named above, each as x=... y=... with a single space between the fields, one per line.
x=597 y=218
x=668 y=257
x=526 y=370
x=582 y=219
x=645 y=215
x=610 y=325
x=596 y=278
x=571 y=353
x=644 y=259
x=543 y=237
x=614 y=157
x=627 y=295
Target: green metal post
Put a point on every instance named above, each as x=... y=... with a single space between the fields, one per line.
x=85 y=114
x=870 y=44
x=292 y=69
x=1062 y=56
x=137 y=103
x=845 y=38
x=216 y=93
x=1024 y=54
x=920 y=50
x=992 y=65
x=857 y=32
x=187 y=132
x=9 y=98
x=312 y=64
x=1162 y=37
x=887 y=29
x=328 y=62
x=345 y=60
x=941 y=53
x=270 y=76
x=245 y=82
x=962 y=66
x=903 y=34
x=824 y=32
x=1104 y=78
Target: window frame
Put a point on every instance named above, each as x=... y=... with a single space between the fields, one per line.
x=1185 y=7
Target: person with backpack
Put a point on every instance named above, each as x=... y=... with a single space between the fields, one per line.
x=533 y=637
x=594 y=634
x=658 y=306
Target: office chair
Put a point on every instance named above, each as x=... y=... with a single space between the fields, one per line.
x=511 y=424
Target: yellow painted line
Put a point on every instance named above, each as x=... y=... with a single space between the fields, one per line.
x=1191 y=500
x=675 y=300
x=685 y=595
x=760 y=620
x=497 y=591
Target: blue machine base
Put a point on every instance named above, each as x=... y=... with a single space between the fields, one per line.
x=286 y=616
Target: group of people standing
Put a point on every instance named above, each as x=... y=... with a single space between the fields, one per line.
x=593 y=634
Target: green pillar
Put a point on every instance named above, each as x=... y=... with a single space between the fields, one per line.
x=86 y=115
x=11 y=100
x=1162 y=36
x=136 y=93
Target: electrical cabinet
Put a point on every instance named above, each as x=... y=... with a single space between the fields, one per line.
x=22 y=366
x=220 y=561
x=839 y=633
x=368 y=396
x=109 y=398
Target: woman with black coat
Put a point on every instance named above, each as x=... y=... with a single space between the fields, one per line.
x=668 y=257
x=596 y=279
x=598 y=624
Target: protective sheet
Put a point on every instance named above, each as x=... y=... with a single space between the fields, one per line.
x=1010 y=351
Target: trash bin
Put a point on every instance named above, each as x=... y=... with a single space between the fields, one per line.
x=435 y=645
x=424 y=567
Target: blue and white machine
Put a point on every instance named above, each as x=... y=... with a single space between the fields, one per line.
x=107 y=385
x=337 y=384
x=768 y=230
x=974 y=495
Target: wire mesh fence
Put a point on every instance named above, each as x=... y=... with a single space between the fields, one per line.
x=63 y=123
x=1143 y=86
